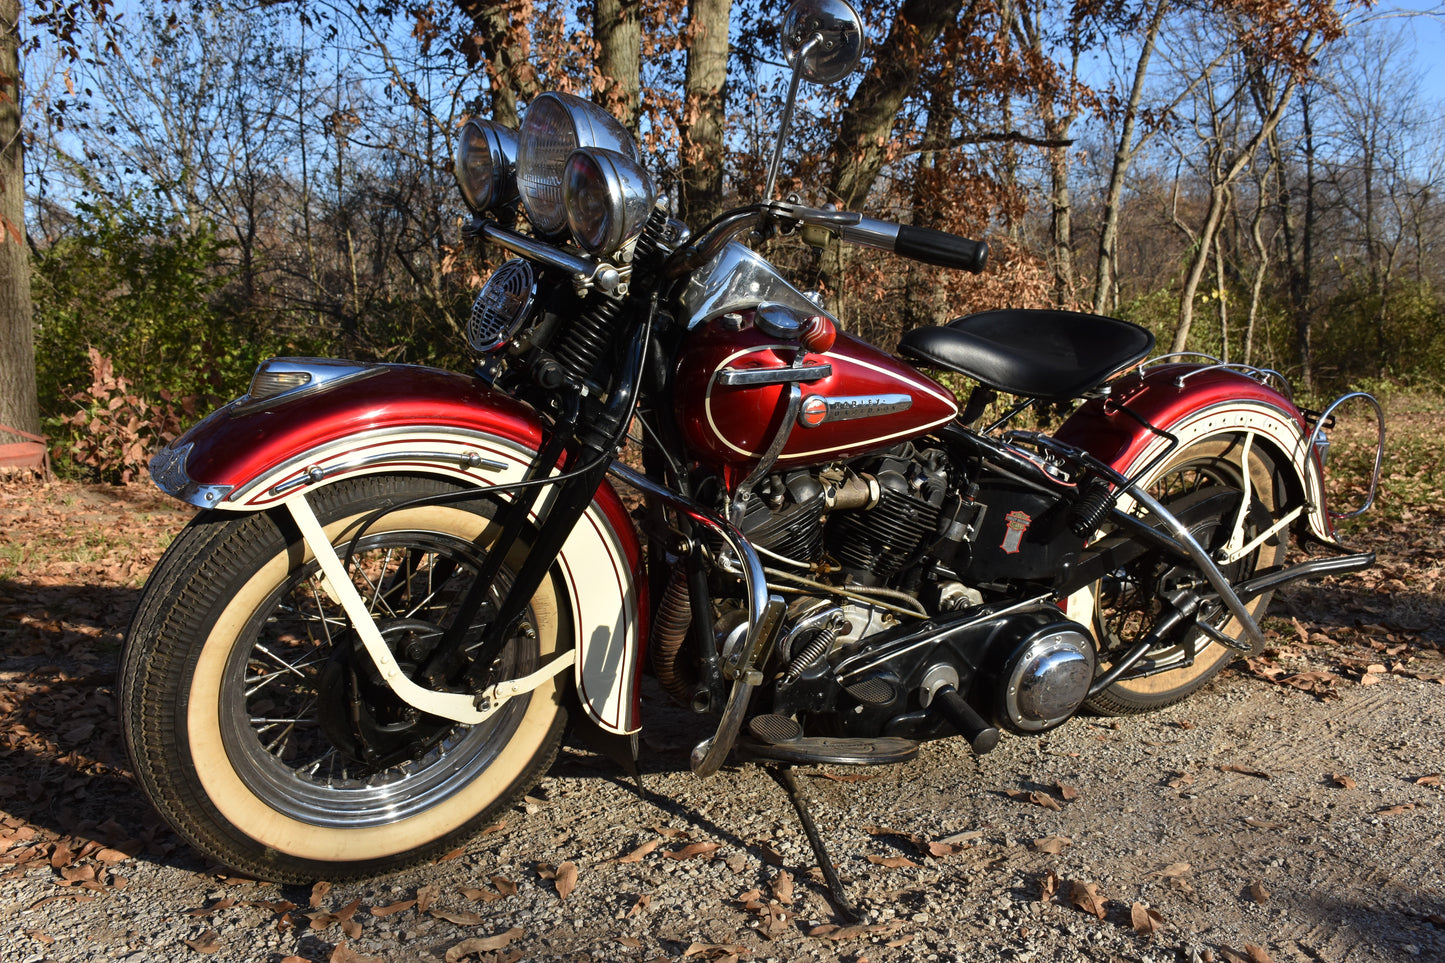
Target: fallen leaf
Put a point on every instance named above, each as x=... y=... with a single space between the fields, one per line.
x=504 y=886
x=424 y=896
x=1053 y=845
x=1396 y=810
x=40 y=936
x=1343 y=781
x=691 y=850
x=1428 y=780
x=1048 y=886
x=566 y=880
x=782 y=888
x=1066 y=793
x=1251 y=954
x=639 y=907
x=1172 y=870
x=714 y=950
x=318 y=893
x=1086 y=897
x=1146 y=921
x=631 y=942
x=637 y=854
x=483 y=944
x=892 y=862
x=1257 y=892
x=208 y=942
x=459 y=917
x=1181 y=885
x=483 y=895
x=345 y=954
x=939 y=849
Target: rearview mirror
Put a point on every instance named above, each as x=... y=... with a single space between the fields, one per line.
x=827 y=35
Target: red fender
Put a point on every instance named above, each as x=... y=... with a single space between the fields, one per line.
x=364 y=419
x=1192 y=402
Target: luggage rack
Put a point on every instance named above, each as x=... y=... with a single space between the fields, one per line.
x=1210 y=363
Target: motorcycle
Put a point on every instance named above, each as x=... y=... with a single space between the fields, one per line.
x=404 y=582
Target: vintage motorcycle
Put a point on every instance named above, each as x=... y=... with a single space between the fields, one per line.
x=405 y=582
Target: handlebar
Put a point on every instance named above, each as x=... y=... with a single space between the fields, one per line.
x=925 y=244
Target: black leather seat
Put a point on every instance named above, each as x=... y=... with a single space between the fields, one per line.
x=1055 y=355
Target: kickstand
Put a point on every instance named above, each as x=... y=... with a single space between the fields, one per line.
x=784 y=777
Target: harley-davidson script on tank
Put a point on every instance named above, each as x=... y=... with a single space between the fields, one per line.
x=737 y=385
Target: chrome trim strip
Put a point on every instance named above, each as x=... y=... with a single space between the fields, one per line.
x=379 y=436
x=871 y=232
x=316 y=474
x=751 y=377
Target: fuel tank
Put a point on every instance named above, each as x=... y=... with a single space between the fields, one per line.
x=855 y=398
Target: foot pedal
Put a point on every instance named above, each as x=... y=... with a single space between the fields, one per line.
x=774 y=730
x=820 y=750
x=872 y=692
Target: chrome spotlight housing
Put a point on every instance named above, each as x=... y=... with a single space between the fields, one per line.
x=556 y=125
x=486 y=164
x=608 y=197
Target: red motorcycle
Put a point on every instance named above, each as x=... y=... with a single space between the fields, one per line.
x=405 y=582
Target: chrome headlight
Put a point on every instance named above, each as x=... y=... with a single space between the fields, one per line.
x=486 y=164
x=555 y=126
x=608 y=197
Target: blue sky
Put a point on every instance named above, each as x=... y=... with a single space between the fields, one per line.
x=1425 y=20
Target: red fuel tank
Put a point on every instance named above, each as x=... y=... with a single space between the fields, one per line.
x=868 y=401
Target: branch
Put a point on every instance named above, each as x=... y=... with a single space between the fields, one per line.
x=991 y=137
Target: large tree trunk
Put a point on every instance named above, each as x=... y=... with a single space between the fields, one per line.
x=617 y=27
x=19 y=404
x=704 y=111
x=867 y=121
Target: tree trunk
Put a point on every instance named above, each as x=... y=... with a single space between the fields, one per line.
x=617 y=28
x=507 y=48
x=19 y=403
x=1107 y=267
x=705 y=111
x=867 y=122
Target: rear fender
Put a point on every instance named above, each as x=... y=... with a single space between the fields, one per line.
x=370 y=419
x=1192 y=403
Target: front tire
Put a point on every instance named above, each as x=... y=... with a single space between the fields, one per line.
x=240 y=671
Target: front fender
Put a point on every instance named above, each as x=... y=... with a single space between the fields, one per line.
x=1192 y=402
x=251 y=456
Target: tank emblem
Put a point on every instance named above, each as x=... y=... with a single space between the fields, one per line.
x=1016 y=524
x=819 y=409
x=813 y=412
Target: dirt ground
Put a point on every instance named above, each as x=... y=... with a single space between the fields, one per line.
x=1292 y=811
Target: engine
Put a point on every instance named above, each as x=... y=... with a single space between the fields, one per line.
x=881 y=512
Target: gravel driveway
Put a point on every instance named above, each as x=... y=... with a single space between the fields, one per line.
x=1292 y=811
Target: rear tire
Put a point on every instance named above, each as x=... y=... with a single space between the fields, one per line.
x=235 y=645
x=1121 y=608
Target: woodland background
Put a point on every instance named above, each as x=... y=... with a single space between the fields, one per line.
x=208 y=184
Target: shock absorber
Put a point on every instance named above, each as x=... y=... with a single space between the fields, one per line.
x=1093 y=506
x=585 y=340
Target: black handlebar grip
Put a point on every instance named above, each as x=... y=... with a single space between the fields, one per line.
x=941 y=248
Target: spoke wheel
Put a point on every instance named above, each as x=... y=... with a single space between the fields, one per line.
x=1124 y=606
x=261 y=729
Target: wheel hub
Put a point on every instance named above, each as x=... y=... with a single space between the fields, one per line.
x=361 y=715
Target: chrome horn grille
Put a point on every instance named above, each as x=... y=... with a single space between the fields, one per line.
x=501 y=306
